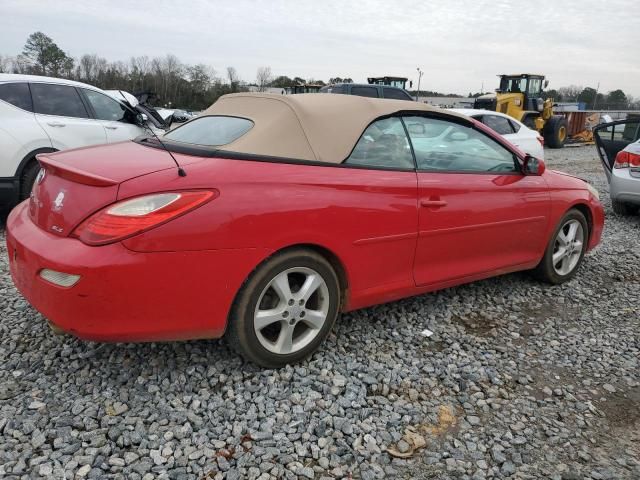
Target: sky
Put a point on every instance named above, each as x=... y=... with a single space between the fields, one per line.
x=460 y=45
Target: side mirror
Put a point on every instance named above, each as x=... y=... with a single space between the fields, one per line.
x=546 y=83
x=533 y=166
x=141 y=119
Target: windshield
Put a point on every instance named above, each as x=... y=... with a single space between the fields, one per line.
x=211 y=130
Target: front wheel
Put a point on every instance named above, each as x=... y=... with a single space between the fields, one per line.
x=555 y=132
x=565 y=250
x=285 y=310
x=623 y=208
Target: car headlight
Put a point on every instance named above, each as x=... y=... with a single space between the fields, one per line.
x=593 y=191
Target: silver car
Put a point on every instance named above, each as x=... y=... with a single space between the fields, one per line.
x=618 y=145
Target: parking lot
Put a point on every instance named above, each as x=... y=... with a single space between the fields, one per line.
x=519 y=379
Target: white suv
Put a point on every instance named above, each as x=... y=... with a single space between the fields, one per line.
x=42 y=114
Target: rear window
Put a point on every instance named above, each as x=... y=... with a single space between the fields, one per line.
x=17 y=94
x=211 y=130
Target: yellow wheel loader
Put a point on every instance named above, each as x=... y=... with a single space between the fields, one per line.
x=520 y=97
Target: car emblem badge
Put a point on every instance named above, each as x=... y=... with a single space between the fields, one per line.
x=41 y=175
x=58 y=202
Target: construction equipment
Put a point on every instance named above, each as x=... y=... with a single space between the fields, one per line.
x=399 y=82
x=520 y=97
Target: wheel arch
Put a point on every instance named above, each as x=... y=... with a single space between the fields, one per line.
x=28 y=158
x=588 y=214
x=330 y=256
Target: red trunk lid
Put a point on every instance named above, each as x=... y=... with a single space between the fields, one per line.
x=79 y=182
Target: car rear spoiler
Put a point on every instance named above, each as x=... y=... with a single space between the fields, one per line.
x=72 y=174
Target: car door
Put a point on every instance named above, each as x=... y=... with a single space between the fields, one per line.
x=613 y=137
x=379 y=184
x=60 y=111
x=117 y=120
x=478 y=213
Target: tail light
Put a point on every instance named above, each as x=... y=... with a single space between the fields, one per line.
x=627 y=160
x=541 y=140
x=131 y=217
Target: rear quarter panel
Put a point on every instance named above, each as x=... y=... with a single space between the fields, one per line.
x=367 y=218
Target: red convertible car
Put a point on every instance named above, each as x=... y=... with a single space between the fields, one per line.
x=266 y=216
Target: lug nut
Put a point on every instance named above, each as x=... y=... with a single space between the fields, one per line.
x=301 y=302
x=291 y=301
x=285 y=314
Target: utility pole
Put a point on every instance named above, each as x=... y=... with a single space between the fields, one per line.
x=420 y=72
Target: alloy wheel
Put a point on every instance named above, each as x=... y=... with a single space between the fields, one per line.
x=568 y=247
x=291 y=310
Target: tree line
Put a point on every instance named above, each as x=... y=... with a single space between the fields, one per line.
x=174 y=83
x=195 y=87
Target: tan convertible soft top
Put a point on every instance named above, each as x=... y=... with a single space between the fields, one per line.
x=313 y=126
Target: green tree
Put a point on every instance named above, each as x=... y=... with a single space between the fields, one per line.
x=554 y=94
x=283 y=82
x=617 y=99
x=588 y=96
x=45 y=55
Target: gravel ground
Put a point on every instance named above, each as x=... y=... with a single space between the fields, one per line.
x=519 y=379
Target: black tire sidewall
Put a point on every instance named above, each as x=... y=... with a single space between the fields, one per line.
x=552 y=131
x=28 y=179
x=546 y=270
x=241 y=328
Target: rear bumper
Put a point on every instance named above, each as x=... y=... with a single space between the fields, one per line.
x=8 y=192
x=624 y=187
x=124 y=295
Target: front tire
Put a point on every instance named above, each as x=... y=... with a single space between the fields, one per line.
x=623 y=208
x=555 y=132
x=565 y=250
x=285 y=310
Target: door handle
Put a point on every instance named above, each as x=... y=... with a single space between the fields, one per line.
x=110 y=127
x=55 y=124
x=433 y=203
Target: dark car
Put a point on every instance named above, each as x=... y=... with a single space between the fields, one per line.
x=367 y=90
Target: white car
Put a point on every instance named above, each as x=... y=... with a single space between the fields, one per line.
x=618 y=145
x=43 y=114
x=515 y=132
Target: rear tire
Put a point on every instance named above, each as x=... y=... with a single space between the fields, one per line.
x=565 y=250
x=555 y=132
x=275 y=320
x=623 y=208
x=28 y=178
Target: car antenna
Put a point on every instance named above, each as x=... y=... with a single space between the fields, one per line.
x=181 y=171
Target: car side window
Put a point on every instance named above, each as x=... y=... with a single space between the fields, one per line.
x=61 y=100
x=498 y=124
x=443 y=146
x=396 y=94
x=383 y=144
x=105 y=107
x=365 y=91
x=515 y=126
x=17 y=94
